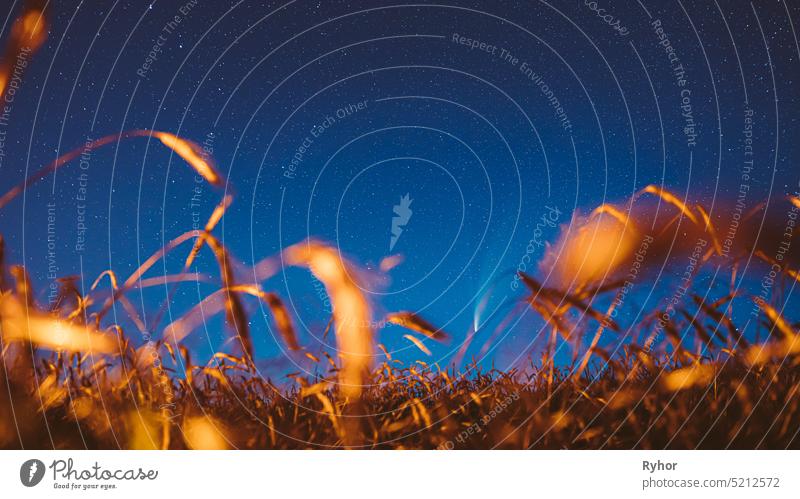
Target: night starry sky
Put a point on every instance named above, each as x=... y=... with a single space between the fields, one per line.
x=323 y=115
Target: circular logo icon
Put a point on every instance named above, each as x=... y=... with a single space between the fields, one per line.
x=31 y=472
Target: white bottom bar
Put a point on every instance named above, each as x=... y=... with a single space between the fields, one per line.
x=389 y=474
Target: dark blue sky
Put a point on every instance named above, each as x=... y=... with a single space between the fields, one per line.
x=560 y=109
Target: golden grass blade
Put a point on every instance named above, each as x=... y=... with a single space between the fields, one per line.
x=776 y=318
x=215 y=303
x=423 y=411
x=313 y=390
x=188 y=150
x=283 y=321
x=689 y=377
x=328 y=408
x=33 y=30
x=612 y=211
x=171 y=278
x=224 y=356
x=588 y=354
x=759 y=354
x=51 y=393
x=779 y=350
x=791 y=273
x=412 y=321
x=28 y=33
x=351 y=311
x=711 y=229
x=143 y=429
x=21 y=323
x=22 y=286
x=670 y=198
x=144 y=267
x=550 y=297
x=53 y=166
x=233 y=306
x=390 y=262
x=266 y=268
x=559 y=322
x=589 y=251
x=701 y=331
x=624 y=398
x=720 y=318
x=132 y=313
x=216 y=373
x=213 y=220
x=204 y=433
x=2 y=262
x=279 y=313
x=458 y=358
x=418 y=344
x=192 y=154
x=111 y=276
